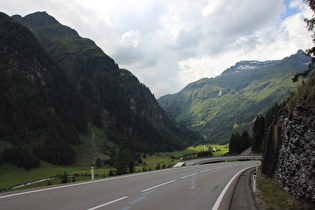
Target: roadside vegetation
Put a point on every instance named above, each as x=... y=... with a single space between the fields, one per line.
x=270 y=195
x=11 y=175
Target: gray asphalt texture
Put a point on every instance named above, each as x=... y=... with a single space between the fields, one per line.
x=243 y=197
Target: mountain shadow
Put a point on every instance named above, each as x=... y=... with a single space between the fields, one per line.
x=113 y=98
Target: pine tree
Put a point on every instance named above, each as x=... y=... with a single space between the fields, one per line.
x=111 y=173
x=131 y=166
x=158 y=167
x=258 y=134
x=311 y=51
x=123 y=161
x=98 y=162
x=246 y=140
x=235 y=143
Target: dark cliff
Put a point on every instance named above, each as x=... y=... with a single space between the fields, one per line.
x=35 y=93
x=295 y=168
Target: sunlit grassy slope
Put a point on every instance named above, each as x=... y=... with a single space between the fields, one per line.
x=226 y=104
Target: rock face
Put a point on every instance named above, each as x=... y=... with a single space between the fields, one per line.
x=296 y=164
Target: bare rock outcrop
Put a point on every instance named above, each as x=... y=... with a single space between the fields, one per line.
x=295 y=170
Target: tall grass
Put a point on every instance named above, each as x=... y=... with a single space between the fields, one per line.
x=272 y=196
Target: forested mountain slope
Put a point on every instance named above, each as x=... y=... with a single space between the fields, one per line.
x=37 y=97
x=220 y=106
x=35 y=92
x=116 y=101
x=59 y=84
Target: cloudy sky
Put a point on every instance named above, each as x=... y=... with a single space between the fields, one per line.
x=170 y=43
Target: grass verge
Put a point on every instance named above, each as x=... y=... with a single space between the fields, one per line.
x=11 y=175
x=271 y=196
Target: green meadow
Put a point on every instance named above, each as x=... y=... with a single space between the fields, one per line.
x=11 y=175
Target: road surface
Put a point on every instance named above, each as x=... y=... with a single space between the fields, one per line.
x=191 y=187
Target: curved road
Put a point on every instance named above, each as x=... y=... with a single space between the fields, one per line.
x=192 y=187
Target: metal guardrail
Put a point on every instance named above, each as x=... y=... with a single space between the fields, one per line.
x=219 y=159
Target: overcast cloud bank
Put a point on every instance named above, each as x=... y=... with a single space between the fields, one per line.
x=168 y=44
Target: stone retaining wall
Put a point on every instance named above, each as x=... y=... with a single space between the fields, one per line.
x=295 y=169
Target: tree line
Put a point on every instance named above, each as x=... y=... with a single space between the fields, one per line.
x=240 y=142
x=29 y=153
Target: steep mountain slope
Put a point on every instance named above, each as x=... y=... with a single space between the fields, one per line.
x=218 y=107
x=39 y=104
x=35 y=92
x=294 y=160
x=115 y=100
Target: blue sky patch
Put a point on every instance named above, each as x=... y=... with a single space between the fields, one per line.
x=289 y=10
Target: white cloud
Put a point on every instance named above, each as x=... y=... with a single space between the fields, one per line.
x=131 y=37
x=212 y=7
x=168 y=44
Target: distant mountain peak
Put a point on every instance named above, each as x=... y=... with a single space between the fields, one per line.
x=220 y=106
x=43 y=19
x=37 y=19
x=242 y=66
x=245 y=65
x=248 y=65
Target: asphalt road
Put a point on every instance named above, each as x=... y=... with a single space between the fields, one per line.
x=191 y=187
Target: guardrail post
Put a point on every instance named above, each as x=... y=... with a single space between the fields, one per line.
x=92 y=172
x=254 y=182
x=256 y=168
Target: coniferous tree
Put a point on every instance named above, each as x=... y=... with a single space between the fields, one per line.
x=258 y=134
x=311 y=51
x=98 y=162
x=55 y=150
x=238 y=143
x=158 y=167
x=131 y=166
x=111 y=173
x=204 y=153
x=271 y=114
x=122 y=161
x=246 y=140
x=140 y=161
x=21 y=157
x=234 y=143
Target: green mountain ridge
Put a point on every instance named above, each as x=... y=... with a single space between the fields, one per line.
x=55 y=82
x=220 y=106
x=35 y=92
x=117 y=101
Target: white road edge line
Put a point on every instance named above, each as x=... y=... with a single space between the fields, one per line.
x=76 y=184
x=206 y=170
x=159 y=185
x=110 y=202
x=218 y=202
x=183 y=177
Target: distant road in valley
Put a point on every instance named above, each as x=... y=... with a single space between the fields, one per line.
x=200 y=161
x=191 y=187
